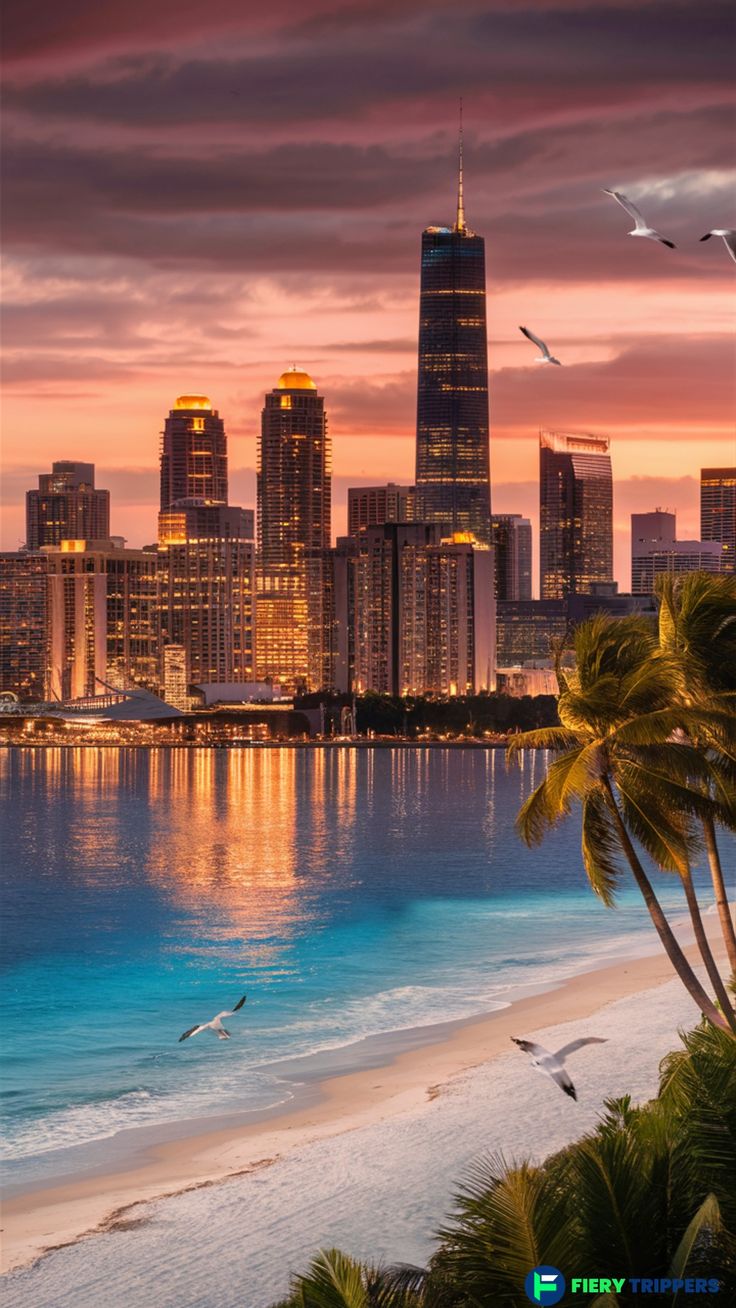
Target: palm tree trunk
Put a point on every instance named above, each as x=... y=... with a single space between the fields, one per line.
x=719 y=889
x=661 y=925
x=701 y=938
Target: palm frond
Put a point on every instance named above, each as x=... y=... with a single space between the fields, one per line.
x=600 y=848
x=552 y=738
x=664 y=836
x=707 y=1222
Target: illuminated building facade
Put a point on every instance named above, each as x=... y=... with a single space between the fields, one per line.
x=421 y=609
x=102 y=618
x=576 y=513
x=370 y=506
x=294 y=601
x=718 y=510
x=512 y=543
x=175 y=682
x=66 y=506
x=23 y=624
x=452 y=460
x=206 y=564
x=193 y=453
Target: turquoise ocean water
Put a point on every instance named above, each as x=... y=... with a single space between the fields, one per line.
x=348 y=892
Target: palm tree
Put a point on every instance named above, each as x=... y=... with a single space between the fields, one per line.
x=616 y=752
x=697 y=628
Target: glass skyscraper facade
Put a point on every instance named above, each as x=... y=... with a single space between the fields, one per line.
x=575 y=513
x=452 y=461
x=718 y=510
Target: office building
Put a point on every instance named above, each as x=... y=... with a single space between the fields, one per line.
x=679 y=557
x=718 y=510
x=206 y=565
x=529 y=631
x=371 y=506
x=193 y=453
x=66 y=506
x=294 y=604
x=23 y=624
x=576 y=513
x=102 y=618
x=175 y=683
x=512 y=543
x=649 y=532
x=452 y=458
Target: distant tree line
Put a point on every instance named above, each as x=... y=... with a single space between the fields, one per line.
x=462 y=715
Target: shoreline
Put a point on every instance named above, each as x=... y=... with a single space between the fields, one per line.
x=384 y=742
x=50 y=1216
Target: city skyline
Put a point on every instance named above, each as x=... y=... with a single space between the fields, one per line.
x=273 y=230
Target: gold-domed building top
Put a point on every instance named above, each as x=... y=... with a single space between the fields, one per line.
x=193 y=402
x=296 y=380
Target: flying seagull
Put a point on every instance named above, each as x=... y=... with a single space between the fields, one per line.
x=729 y=238
x=545 y=356
x=553 y=1064
x=215 y=1025
x=641 y=228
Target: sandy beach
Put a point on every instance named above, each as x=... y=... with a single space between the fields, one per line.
x=52 y=1217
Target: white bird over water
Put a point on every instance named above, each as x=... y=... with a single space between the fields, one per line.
x=215 y=1025
x=642 y=228
x=545 y=356
x=729 y=238
x=553 y=1065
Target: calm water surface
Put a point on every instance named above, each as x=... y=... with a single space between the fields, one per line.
x=349 y=892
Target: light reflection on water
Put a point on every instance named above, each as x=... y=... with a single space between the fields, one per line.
x=348 y=891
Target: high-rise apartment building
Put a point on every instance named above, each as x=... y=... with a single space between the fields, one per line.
x=452 y=458
x=371 y=506
x=193 y=453
x=718 y=510
x=421 y=609
x=206 y=564
x=649 y=532
x=294 y=602
x=512 y=543
x=576 y=513
x=102 y=618
x=66 y=506
x=23 y=624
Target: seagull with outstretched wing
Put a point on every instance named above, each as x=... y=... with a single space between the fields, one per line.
x=215 y=1025
x=728 y=235
x=642 y=227
x=545 y=356
x=553 y=1065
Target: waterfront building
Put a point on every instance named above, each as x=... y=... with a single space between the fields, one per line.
x=66 y=506
x=206 y=566
x=193 y=455
x=576 y=513
x=459 y=636
x=718 y=510
x=371 y=506
x=452 y=457
x=528 y=680
x=102 y=618
x=174 y=676
x=294 y=597
x=23 y=624
x=512 y=543
x=415 y=613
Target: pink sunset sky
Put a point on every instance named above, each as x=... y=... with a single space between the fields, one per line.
x=198 y=195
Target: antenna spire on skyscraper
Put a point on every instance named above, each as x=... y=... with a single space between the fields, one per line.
x=460 y=224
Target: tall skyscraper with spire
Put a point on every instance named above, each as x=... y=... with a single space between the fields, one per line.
x=452 y=461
